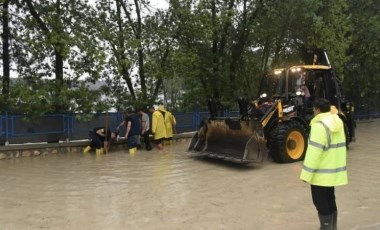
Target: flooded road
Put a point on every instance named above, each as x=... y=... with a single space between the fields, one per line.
x=170 y=190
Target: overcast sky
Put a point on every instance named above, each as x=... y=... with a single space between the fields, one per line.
x=159 y=4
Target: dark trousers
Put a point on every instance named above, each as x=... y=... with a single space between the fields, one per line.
x=147 y=143
x=132 y=141
x=324 y=199
x=96 y=142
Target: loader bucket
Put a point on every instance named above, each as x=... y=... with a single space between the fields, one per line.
x=230 y=139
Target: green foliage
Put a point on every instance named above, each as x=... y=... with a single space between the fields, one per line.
x=362 y=72
x=55 y=40
x=31 y=99
x=36 y=97
x=182 y=55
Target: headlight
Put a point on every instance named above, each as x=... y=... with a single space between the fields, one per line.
x=263 y=95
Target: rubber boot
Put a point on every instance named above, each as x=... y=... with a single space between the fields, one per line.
x=99 y=151
x=326 y=222
x=87 y=149
x=132 y=150
x=335 y=220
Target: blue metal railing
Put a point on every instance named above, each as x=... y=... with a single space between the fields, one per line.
x=15 y=129
x=56 y=127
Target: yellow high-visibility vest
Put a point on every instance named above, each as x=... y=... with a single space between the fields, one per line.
x=325 y=160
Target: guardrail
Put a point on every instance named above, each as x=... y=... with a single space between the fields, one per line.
x=52 y=128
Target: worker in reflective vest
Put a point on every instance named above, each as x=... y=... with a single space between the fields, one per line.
x=325 y=162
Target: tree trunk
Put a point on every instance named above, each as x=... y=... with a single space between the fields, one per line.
x=237 y=49
x=58 y=47
x=140 y=52
x=58 y=106
x=6 y=61
x=213 y=83
x=120 y=53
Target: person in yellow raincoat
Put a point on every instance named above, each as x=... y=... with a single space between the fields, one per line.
x=324 y=166
x=158 y=127
x=170 y=122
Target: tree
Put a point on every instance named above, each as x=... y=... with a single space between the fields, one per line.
x=181 y=56
x=56 y=37
x=5 y=54
x=362 y=79
x=240 y=41
x=128 y=40
x=54 y=40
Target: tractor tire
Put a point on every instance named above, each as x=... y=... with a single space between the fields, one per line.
x=288 y=142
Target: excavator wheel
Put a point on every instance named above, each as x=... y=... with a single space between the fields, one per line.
x=288 y=142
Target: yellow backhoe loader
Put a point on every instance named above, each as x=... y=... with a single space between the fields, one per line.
x=277 y=122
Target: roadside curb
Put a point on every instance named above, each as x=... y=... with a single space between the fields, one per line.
x=77 y=146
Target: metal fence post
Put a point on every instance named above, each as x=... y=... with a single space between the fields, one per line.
x=6 y=129
x=68 y=126
x=195 y=120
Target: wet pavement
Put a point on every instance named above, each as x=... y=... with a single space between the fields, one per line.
x=170 y=190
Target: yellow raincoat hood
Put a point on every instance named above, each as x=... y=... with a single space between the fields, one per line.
x=331 y=120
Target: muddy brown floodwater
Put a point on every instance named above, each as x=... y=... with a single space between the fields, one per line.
x=170 y=190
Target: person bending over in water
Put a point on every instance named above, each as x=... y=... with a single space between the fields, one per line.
x=100 y=140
